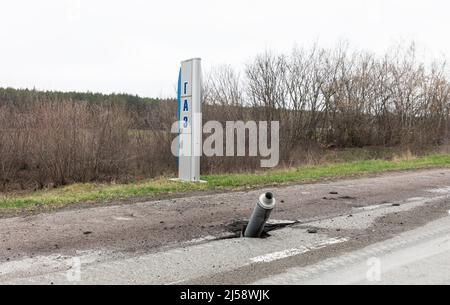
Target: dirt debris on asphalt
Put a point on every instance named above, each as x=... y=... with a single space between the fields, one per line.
x=164 y=224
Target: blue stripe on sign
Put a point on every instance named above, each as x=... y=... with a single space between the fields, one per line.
x=179 y=95
x=179 y=116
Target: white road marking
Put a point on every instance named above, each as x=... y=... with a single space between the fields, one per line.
x=373 y=207
x=361 y=220
x=277 y=222
x=267 y=258
x=123 y=218
x=442 y=190
x=54 y=262
x=199 y=240
x=208 y=238
x=279 y=255
x=175 y=283
x=416 y=199
x=406 y=202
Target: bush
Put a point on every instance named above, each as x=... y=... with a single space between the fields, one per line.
x=324 y=99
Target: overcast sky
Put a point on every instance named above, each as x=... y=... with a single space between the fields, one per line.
x=135 y=46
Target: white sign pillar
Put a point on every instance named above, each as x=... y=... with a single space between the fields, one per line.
x=190 y=120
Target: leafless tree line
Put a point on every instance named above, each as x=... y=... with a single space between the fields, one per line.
x=322 y=98
x=56 y=143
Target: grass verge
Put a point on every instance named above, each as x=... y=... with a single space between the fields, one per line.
x=85 y=193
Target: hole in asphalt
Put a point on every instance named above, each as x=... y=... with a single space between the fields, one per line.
x=238 y=228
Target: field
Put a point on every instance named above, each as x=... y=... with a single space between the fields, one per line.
x=94 y=192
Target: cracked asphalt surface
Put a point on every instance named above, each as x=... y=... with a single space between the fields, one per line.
x=363 y=212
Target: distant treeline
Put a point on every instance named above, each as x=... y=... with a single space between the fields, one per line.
x=137 y=106
x=21 y=96
x=323 y=99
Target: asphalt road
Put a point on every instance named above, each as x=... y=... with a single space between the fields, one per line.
x=420 y=256
x=391 y=228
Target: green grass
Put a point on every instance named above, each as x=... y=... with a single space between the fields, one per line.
x=85 y=193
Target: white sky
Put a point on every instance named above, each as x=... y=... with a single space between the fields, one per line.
x=135 y=46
